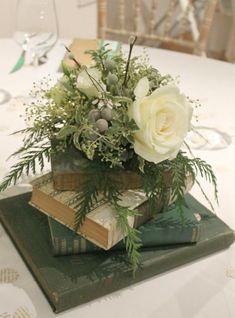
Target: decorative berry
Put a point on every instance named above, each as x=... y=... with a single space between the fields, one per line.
x=106 y=113
x=94 y=115
x=109 y=64
x=102 y=125
x=112 y=79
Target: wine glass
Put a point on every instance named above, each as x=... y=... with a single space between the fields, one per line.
x=5 y=96
x=208 y=138
x=36 y=27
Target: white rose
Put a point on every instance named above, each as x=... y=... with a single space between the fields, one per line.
x=91 y=85
x=163 y=119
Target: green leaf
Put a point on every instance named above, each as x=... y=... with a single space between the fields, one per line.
x=65 y=69
x=122 y=99
x=66 y=131
x=76 y=141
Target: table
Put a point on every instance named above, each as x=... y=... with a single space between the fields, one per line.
x=205 y=288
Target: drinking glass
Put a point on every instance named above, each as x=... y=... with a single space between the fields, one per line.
x=36 y=27
x=208 y=138
x=5 y=96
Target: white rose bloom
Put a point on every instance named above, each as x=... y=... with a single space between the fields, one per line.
x=87 y=86
x=163 y=119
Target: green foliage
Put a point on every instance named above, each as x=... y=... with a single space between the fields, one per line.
x=27 y=163
x=131 y=239
x=103 y=185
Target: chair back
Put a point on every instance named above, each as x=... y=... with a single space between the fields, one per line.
x=181 y=25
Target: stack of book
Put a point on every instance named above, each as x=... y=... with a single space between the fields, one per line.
x=71 y=280
x=100 y=230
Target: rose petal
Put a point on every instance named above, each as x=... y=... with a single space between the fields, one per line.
x=142 y=88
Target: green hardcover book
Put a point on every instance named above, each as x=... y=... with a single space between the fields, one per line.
x=166 y=229
x=73 y=280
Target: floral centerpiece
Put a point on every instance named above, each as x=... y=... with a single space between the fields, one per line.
x=121 y=115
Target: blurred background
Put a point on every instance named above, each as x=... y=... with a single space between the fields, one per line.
x=78 y=18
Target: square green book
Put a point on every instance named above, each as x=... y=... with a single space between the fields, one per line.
x=68 y=281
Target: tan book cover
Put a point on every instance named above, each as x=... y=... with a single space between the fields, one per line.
x=78 y=48
x=100 y=225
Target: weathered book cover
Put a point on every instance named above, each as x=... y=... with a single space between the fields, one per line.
x=100 y=225
x=166 y=229
x=73 y=280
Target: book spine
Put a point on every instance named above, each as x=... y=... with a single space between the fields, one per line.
x=65 y=246
x=70 y=244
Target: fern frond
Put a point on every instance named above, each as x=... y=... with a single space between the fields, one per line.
x=27 y=163
x=132 y=240
x=85 y=202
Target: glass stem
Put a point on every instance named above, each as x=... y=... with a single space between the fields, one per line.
x=35 y=60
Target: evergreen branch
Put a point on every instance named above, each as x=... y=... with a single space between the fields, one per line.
x=206 y=171
x=193 y=167
x=179 y=172
x=204 y=194
x=88 y=198
x=31 y=139
x=27 y=163
x=132 y=240
x=155 y=186
x=131 y=235
x=85 y=202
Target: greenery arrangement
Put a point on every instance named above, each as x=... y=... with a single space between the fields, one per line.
x=120 y=114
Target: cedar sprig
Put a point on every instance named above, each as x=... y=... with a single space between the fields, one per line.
x=103 y=184
x=193 y=167
x=132 y=239
x=155 y=187
x=86 y=200
x=27 y=163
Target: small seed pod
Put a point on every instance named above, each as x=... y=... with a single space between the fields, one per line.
x=131 y=39
x=109 y=64
x=70 y=56
x=106 y=113
x=112 y=79
x=102 y=125
x=94 y=115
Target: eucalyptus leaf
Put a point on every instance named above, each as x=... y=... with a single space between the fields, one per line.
x=76 y=138
x=122 y=99
x=66 y=131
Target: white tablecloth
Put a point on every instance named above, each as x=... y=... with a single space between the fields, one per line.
x=204 y=288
